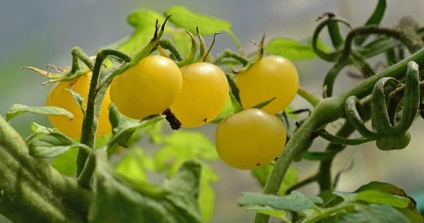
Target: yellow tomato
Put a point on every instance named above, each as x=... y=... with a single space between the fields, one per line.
x=250 y=138
x=272 y=77
x=203 y=96
x=61 y=97
x=147 y=88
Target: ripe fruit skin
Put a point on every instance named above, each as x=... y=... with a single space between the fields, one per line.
x=250 y=138
x=273 y=76
x=148 y=88
x=203 y=96
x=61 y=97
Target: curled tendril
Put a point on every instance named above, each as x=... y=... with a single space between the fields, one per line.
x=334 y=32
x=390 y=130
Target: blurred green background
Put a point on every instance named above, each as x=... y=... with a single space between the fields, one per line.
x=37 y=33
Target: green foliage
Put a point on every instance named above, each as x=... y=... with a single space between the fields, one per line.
x=181 y=146
x=52 y=145
x=367 y=204
x=175 y=202
x=19 y=109
x=262 y=174
x=32 y=188
x=294 y=50
x=292 y=202
x=375 y=213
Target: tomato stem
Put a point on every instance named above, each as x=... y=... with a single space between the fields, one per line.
x=308 y=96
x=326 y=111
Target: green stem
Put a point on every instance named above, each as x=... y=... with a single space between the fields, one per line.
x=94 y=103
x=308 y=96
x=328 y=110
x=342 y=140
x=324 y=178
x=324 y=213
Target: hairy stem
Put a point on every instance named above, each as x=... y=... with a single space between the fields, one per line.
x=328 y=110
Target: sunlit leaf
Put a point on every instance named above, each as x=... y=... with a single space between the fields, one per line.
x=189 y=20
x=183 y=145
x=52 y=145
x=269 y=211
x=124 y=128
x=375 y=213
x=262 y=174
x=119 y=200
x=134 y=164
x=65 y=163
x=292 y=49
x=144 y=22
x=379 y=197
x=18 y=109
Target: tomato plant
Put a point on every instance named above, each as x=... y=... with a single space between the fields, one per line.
x=60 y=95
x=248 y=92
x=203 y=95
x=273 y=77
x=147 y=88
x=250 y=138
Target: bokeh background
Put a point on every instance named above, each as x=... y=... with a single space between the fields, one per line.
x=37 y=33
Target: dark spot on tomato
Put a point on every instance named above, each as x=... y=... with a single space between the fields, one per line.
x=258 y=164
x=276 y=158
x=205 y=120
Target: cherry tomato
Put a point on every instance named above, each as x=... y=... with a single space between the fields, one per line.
x=272 y=77
x=61 y=97
x=147 y=88
x=203 y=96
x=250 y=138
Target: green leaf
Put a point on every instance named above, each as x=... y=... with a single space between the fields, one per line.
x=227 y=111
x=376 y=213
x=65 y=163
x=78 y=99
x=118 y=200
x=182 y=41
x=262 y=173
x=270 y=211
x=134 y=164
x=144 y=23
x=18 y=109
x=292 y=202
x=183 y=145
x=347 y=196
x=294 y=50
x=383 y=187
x=124 y=128
x=37 y=129
x=188 y=20
x=52 y=145
x=379 y=197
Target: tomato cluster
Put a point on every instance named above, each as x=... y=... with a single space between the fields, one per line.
x=254 y=137
x=196 y=94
